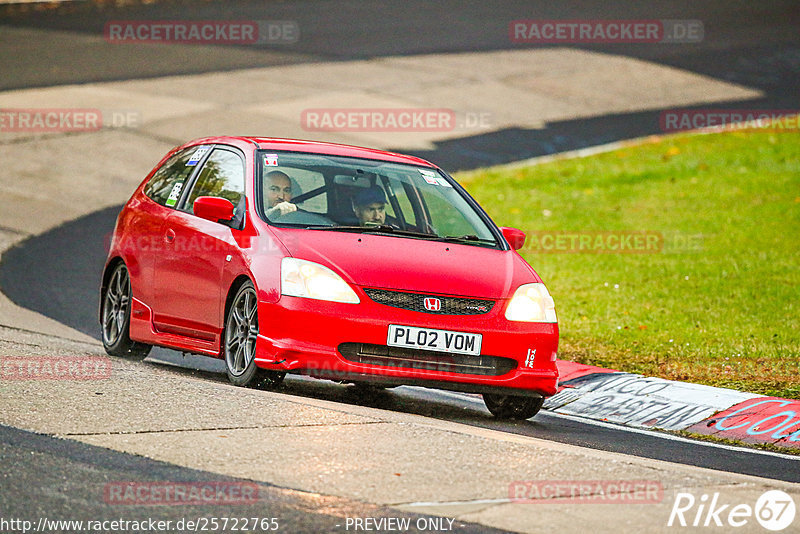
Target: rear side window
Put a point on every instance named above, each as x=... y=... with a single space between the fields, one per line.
x=222 y=176
x=167 y=183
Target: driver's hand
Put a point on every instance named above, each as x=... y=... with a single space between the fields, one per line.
x=281 y=209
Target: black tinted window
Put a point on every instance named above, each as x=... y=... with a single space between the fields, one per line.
x=221 y=176
x=166 y=184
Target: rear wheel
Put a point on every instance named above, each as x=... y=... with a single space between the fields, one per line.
x=239 y=342
x=511 y=407
x=116 y=317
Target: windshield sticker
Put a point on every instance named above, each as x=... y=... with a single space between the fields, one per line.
x=433 y=178
x=270 y=160
x=197 y=156
x=175 y=194
x=429 y=176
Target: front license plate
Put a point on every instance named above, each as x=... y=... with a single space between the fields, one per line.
x=413 y=337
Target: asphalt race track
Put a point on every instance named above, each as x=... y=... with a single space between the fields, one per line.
x=44 y=275
x=76 y=474
x=744 y=43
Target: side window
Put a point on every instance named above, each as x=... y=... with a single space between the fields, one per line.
x=167 y=183
x=389 y=206
x=221 y=176
x=399 y=190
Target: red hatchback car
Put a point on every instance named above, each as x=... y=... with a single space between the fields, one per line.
x=343 y=263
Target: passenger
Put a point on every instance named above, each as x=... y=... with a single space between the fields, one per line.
x=369 y=206
x=279 y=194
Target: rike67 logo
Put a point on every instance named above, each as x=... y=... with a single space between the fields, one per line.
x=774 y=510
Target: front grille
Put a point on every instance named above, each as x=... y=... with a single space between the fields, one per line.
x=428 y=360
x=416 y=302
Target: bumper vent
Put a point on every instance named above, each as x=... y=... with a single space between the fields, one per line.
x=416 y=302
x=427 y=360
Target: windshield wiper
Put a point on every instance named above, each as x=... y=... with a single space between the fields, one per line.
x=468 y=239
x=378 y=229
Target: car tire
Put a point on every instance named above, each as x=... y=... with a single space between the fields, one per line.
x=239 y=342
x=116 y=317
x=512 y=407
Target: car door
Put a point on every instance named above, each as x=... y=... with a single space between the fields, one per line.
x=163 y=189
x=188 y=273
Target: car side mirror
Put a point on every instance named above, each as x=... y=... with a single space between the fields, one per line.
x=515 y=237
x=214 y=209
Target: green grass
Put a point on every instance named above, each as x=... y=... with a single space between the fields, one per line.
x=724 y=310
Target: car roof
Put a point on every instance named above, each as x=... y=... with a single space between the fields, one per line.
x=318 y=147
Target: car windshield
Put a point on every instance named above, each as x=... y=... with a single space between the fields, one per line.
x=346 y=194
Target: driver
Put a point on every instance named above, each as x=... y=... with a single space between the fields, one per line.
x=279 y=194
x=369 y=206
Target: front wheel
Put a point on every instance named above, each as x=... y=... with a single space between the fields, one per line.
x=511 y=407
x=241 y=332
x=116 y=317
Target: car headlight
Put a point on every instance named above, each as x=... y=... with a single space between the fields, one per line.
x=532 y=303
x=302 y=278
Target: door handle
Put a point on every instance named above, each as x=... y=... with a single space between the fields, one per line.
x=169 y=236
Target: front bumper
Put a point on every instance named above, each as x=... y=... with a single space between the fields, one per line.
x=318 y=338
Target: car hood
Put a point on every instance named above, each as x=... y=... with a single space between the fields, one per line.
x=401 y=263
